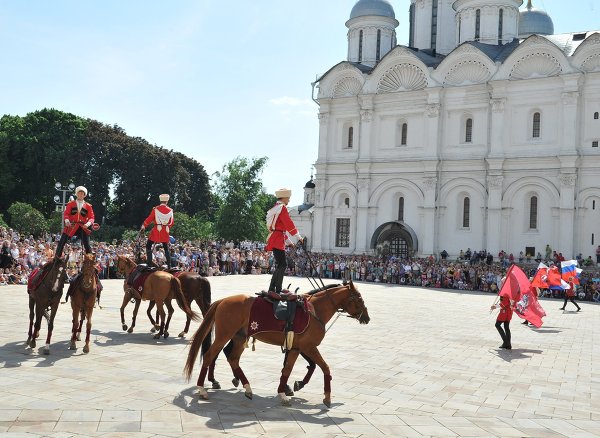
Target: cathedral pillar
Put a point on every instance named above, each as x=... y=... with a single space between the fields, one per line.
x=323 y=132
x=497 y=127
x=366 y=117
x=494 y=213
x=427 y=237
x=431 y=134
x=567 y=208
x=362 y=228
x=569 y=123
x=319 y=220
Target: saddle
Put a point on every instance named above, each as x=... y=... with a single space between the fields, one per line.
x=137 y=277
x=76 y=280
x=37 y=276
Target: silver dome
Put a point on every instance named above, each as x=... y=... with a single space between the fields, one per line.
x=381 y=8
x=534 y=21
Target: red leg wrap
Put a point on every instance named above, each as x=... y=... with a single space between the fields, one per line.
x=282 y=383
x=327 y=379
x=238 y=373
x=211 y=371
x=202 y=376
x=309 y=374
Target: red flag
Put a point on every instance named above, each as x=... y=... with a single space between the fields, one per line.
x=529 y=308
x=553 y=277
x=540 y=277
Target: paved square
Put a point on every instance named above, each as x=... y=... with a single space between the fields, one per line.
x=427 y=364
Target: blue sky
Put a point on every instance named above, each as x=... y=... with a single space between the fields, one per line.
x=210 y=78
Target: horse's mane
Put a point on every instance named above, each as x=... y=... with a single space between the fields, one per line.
x=321 y=289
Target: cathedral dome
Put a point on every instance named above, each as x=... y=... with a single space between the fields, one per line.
x=310 y=184
x=534 y=21
x=381 y=8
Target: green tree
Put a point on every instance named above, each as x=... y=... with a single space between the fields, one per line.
x=241 y=214
x=55 y=222
x=26 y=219
x=3 y=222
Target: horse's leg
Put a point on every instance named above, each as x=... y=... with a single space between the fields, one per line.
x=31 y=316
x=74 y=324
x=51 y=325
x=154 y=323
x=299 y=384
x=88 y=328
x=288 y=366
x=315 y=355
x=161 y=313
x=81 y=318
x=208 y=359
x=171 y=311
x=126 y=298
x=233 y=357
x=39 y=313
x=188 y=319
x=135 y=312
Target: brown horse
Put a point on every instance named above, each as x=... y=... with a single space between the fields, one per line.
x=45 y=298
x=231 y=317
x=83 y=299
x=160 y=287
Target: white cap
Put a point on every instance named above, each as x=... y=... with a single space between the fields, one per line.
x=283 y=193
x=164 y=197
x=81 y=189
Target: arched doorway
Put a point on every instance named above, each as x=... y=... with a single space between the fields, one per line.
x=394 y=238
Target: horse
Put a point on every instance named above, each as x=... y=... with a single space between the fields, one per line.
x=46 y=297
x=231 y=317
x=160 y=287
x=83 y=299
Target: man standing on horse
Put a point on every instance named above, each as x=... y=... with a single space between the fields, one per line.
x=78 y=219
x=281 y=230
x=162 y=217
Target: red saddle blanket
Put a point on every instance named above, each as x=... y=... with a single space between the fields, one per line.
x=35 y=278
x=136 y=280
x=263 y=320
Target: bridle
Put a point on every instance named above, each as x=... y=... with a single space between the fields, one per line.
x=354 y=297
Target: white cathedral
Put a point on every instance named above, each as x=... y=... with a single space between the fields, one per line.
x=483 y=132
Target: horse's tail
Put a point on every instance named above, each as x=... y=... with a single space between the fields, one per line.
x=181 y=301
x=203 y=331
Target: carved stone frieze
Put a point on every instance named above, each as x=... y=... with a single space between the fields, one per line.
x=568 y=179
x=432 y=110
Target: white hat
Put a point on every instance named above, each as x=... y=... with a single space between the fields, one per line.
x=283 y=193
x=81 y=189
x=164 y=197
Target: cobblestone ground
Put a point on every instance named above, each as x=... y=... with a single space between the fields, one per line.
x=428 y=364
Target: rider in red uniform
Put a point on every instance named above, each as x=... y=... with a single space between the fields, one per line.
x=78 y=218
x=162 y=217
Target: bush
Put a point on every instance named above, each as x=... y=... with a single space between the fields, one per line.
x=26 y=219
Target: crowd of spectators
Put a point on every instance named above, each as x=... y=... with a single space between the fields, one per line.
x=469 y=271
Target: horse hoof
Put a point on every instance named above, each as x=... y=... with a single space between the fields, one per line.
x=153 y=330
x=327 y=402
x=248 y=395
x=216 y=385
x=248 y=391
x=86 y=349
x=156 y=336
x=46 y=351
x=202 y=393
x=130 y=330
x=181 y=335
x=166 y=335
x=288 y=391
x=32 y=343
x=79 y=337
x=236 y=382
x=284 y=400
x=298 y=385
x=72 y=346
x=124 y=326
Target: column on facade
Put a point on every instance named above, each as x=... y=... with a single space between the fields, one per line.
x=497 y=127
x=362 y=211
x=570 y=101
x=567 y=216
x=432 y=124
x=366 y=117
x=494 y=212
x=324 y=127
x=427 y=234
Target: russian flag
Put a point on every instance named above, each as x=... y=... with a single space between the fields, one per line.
x=549 y=278
x=570 y=271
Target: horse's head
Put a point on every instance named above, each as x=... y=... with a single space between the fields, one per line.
x=57 y=274
x=124 y=264
x=354 y=304
x=89 y=264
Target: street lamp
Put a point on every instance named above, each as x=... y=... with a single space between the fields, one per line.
x=61 y=201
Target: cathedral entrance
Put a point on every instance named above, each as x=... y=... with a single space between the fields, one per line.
x=394 y=239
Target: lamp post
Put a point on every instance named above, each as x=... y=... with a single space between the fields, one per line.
x=61 y=201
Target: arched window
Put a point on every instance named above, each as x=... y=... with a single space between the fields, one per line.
x=401 y=208
x=404 y=134
x=360 y=45
x=378 y=54
x=477 y=23
x=596 y=115
x=533 y=213
x=537 y=119
x=469 y=130
x=466 y=212
x=500 y=25
x=347 y=202
x=350 y=137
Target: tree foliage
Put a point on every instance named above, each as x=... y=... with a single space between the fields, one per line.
x=242 y=200
x=26 y=219
x=52 y=146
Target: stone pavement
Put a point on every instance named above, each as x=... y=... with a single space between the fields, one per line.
x=426 y=365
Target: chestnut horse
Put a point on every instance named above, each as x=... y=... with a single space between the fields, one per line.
x=44 y=298
x=83 y=299
x=231 y=317
x=160 y=287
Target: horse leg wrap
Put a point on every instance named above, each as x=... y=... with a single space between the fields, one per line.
x=49 y=336
x=282 y=384
x=211 y=371
x=327 y=379
x=202 y=376
x=239 y=374
x=309 y=373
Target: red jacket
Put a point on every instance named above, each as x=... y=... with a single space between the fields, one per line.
x=162 y=217
x=506 y=311
x=77 y=217
x=280 y=225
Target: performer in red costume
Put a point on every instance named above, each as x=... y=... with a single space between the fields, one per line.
x=162 y=217
x=281 y=229
x=504 y=318
x=78 y=219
